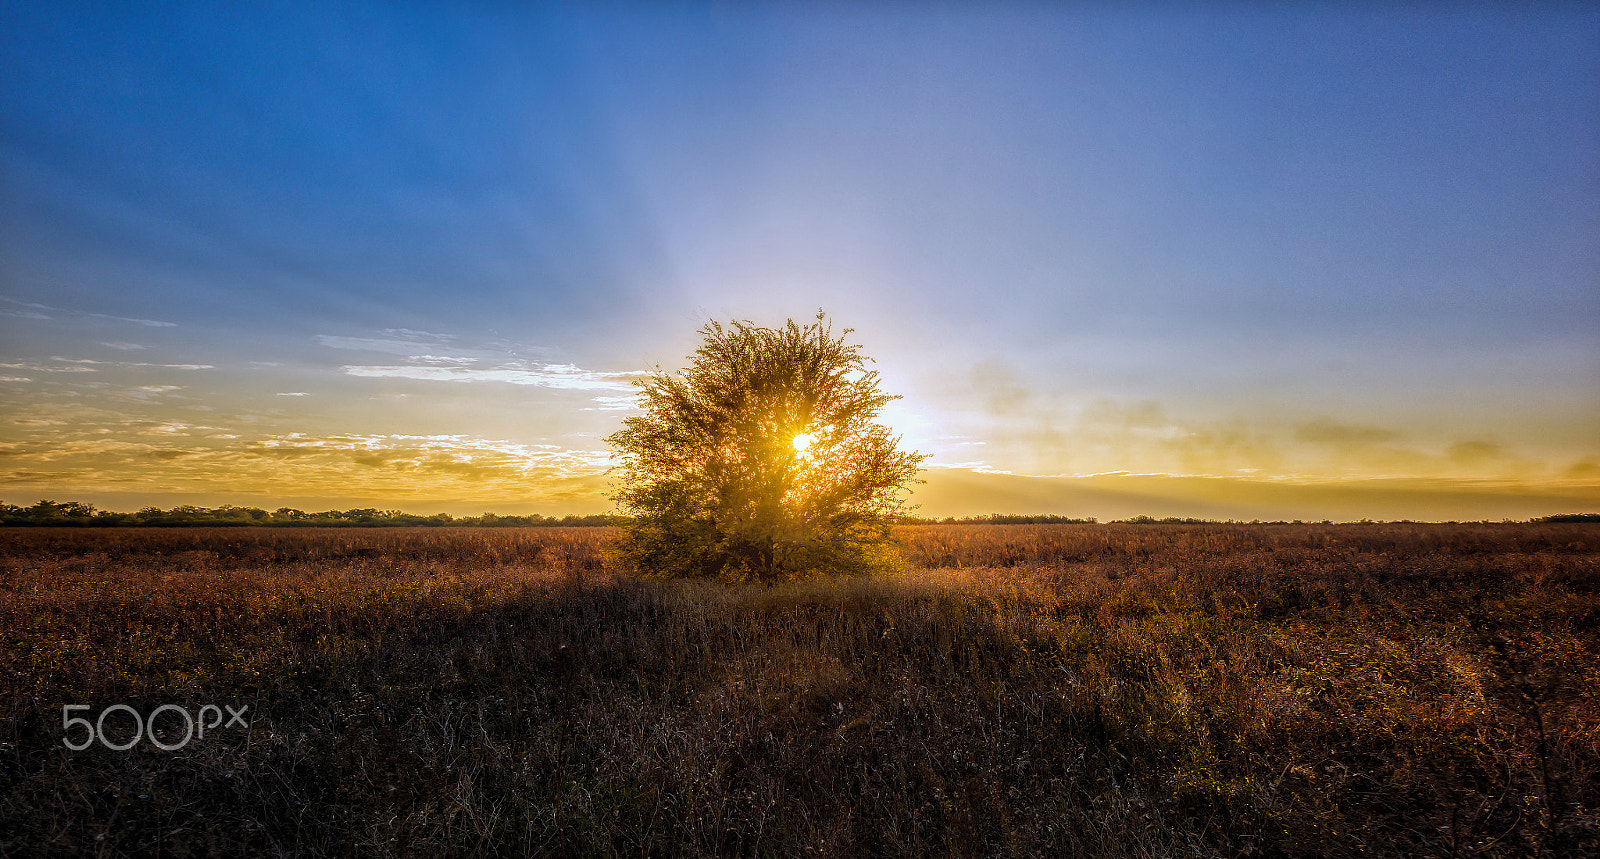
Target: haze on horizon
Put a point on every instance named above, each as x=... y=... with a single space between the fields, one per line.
x=1239 y=261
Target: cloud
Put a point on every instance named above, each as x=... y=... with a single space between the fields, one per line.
x=37 y=476
x=433 y=451
x=418 y=335
x=32 y=314
x=147 y=392
x=959 y=493
x=125 y=347
x=431 y=357
x=1110 y=435
x=182 y=458
x=613 y=404
x=1583 y=469
x=408 y=348
x=132 y=364
x=278 y=449
x=1324 y=430
x=429 y=348
x=170 y=429
x=1475 y=452
x=562 y=376
x=403 y=466
x=1039 y=433
x=39 y=368
x=441 y=359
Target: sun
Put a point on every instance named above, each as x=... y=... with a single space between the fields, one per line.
x=802 y=443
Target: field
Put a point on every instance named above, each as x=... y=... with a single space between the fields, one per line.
x=1013 y=690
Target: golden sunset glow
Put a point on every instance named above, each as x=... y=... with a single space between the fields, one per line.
x=1251 y=295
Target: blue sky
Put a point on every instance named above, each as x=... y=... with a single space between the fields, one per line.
x=408 y=254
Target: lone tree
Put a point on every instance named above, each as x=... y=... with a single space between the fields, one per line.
x=762 y=460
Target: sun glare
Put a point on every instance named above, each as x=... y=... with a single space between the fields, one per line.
x=802 y=443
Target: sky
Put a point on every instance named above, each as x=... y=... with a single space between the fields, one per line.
x=1236 y=260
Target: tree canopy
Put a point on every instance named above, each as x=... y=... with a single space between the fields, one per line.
x=763 y=460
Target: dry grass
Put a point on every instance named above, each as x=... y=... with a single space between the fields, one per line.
x=1096 y=690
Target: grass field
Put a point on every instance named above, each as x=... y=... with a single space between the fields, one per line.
x=1097 y=690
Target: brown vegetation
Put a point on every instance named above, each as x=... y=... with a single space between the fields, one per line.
x=1155 y=690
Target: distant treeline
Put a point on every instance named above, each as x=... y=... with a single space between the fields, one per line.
x=1569 y=517
x=73 y=513
x=1046 y=519
x=999 y=519
x=1051 y=519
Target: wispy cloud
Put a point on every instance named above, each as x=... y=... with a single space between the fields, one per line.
x=42 y=368
x=408 y=348
x=1587 y=468
x=132 y=364
x=1325 y=430
x=433 y=452
x=425 y=347
x=563 y=376
x=613 y=404
x=171 y=429
x=419 y=335
x=442 y=359
x=33 y=311
x=432 y=357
